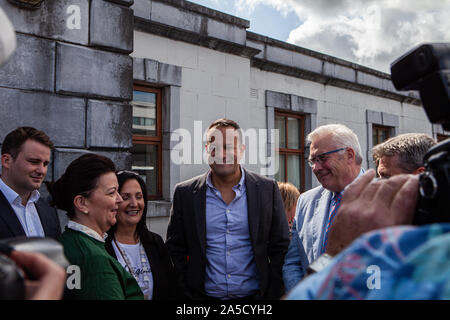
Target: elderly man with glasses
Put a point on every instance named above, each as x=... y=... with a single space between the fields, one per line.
x=335 y=158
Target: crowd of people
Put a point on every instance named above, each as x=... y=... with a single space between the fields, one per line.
x=232 y=234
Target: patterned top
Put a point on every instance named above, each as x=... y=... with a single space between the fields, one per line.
x=404 y=262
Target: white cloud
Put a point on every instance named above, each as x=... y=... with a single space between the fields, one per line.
x=369 y=32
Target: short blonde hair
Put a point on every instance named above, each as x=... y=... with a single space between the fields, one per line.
x=289 y=194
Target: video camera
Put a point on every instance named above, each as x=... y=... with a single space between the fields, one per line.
x=426 y=68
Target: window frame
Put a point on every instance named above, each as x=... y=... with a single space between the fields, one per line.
x=153 y=140
x=378 y=127
x=287 y=151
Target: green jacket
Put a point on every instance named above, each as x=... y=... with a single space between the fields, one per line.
x=102 y=276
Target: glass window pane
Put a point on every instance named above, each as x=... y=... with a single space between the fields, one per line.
x=279 y=176
x=145 y=162
x=280 y=125
x=144 y=113
x=293 y=170
x=293 y=133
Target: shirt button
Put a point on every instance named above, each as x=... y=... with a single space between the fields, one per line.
x=229 y=276
x=228 y=253
x=228 y=211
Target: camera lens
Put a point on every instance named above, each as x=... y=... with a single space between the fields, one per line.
x=428 y=185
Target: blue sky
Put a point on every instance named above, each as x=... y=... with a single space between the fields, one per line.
x=258 y=17
x=372 y=33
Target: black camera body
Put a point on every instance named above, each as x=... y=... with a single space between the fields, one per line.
x=427 y=68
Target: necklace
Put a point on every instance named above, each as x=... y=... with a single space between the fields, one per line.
x=135 y=272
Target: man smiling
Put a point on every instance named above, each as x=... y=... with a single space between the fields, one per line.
x=335 y=158
x=25 y=159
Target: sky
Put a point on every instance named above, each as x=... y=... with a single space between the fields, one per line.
x=372 y=33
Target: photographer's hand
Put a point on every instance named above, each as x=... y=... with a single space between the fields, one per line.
x=50 y=276
x=368 y=205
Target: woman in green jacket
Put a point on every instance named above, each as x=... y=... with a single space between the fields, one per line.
x=88 y=192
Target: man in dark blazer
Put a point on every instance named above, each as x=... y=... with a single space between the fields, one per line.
x=228 y=233
x=25 y=159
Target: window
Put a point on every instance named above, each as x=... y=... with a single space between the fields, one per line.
x=147 y=138
x=380 y=134
x=291 y=148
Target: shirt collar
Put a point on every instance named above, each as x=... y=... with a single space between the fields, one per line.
x=361 y=172
x=239 y=186
x=12 y=196
x=86 y=230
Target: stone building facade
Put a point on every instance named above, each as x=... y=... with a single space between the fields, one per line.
x=77 y=62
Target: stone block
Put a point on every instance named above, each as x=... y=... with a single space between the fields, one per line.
x=31 y=66
x=226 y=32
x=305 y=62
x=176 y=17
x=390 y=120
x=142 y=8
x=340 y=72
x=279 y=55
x=63 y=157
x=66 y=20
x=121 y=159
x=171 y=112
x=278 y=100
x=139 y=69
x=158 y=208
x=151 y=70
x=374 y=117
x=369 y=80
x=111 y=26
x=302 y=104
x=109 y=125
x=62 y=118
x=88 y=72
x=169 y=74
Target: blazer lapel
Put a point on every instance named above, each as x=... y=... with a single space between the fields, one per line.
x=41 y=210
x=199 y=203
x=320 y=215
x=9 y=217
x=253 y=206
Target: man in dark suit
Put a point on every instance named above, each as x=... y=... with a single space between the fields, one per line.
x=25 y=159
x=228 y=232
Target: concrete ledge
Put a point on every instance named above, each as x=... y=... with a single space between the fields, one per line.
x=200 y=39
x=158 y=208
x=288 y=59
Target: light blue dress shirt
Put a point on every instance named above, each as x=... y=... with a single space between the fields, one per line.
x=230 y=268
x=27 y=215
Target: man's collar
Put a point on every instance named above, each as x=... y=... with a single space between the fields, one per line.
x=11 y=195
x=239 y=185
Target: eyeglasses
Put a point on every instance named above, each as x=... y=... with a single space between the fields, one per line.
x=321 y=158
x=126 y=171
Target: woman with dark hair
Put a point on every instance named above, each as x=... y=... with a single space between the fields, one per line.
x=140 y=251
x=88 y=192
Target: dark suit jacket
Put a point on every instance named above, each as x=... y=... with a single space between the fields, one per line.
x=159 y=259
x=269 y=234
x=10 y=226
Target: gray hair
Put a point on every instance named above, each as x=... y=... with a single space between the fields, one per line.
x=410 y=147
x=341 y=135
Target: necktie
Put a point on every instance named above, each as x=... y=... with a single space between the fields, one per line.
x=335 y=202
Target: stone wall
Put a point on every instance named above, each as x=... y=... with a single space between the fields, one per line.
x=71 y=76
